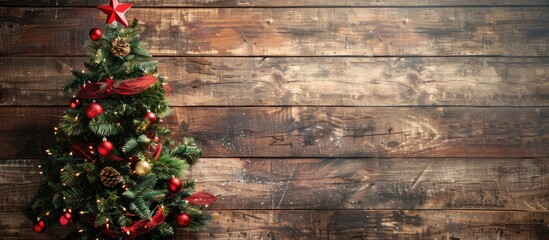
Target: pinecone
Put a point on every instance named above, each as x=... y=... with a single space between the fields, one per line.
x=109 y=176
x=120 y=48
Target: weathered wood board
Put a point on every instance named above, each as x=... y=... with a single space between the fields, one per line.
x=297 y=81
x=292 y=32
x=357 y=183
x=322 y=131
x=277 y=3
x=351 y=119
x=341 y=224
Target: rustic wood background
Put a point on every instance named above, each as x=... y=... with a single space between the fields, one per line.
x=339 y=119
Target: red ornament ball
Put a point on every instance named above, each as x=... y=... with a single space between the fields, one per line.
x=175 y=185
x=95 y=34
x=39 y=227
x=68 y=216
x=94 y=110
x=105 y=148
x=183 y=220
x=150 y=117
x=75 y=102
x=65 y=220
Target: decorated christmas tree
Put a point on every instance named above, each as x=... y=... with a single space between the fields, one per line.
x=114 y=173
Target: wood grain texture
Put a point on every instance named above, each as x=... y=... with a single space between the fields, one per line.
x=277 y=3
x=392 y=183
x=292 y=31
x=367 y=132
x=294 y=81
x=307 y=224
x=322 y=131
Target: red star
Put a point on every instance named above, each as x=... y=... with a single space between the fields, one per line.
x=115 y=11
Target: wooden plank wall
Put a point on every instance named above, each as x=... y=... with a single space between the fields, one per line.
x=319 y=119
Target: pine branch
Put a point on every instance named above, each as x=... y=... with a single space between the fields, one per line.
x=102 y=127
x=166 y=231
x=167 y=166
x=130 y=145
x=154 y=196
x=70 y=175
x=91 y=172
x=76 y=195
x=141 y=208
x=188 y=151
x=72 y=124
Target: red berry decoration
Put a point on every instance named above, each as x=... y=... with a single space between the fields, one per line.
x=39 y=227
x=95 y=34
x=75 y=102
x=183 y=220
x=94 y=110
x=105 y=148
x=151 y=118
x=68 y=216
x=65 y=219
x=175 y=185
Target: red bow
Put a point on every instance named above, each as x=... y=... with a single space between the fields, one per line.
x=125 y=88
x=143 y=226
x=80 y=150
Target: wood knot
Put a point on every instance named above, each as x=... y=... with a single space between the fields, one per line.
x=196 y=83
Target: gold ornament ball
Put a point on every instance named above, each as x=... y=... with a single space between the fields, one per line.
x=143 y=168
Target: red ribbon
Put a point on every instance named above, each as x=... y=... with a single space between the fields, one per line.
x=108 y=87
x=201 y=198
x=144 y=226
x=81 y=150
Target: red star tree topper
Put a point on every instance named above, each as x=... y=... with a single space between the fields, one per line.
x=115 y=11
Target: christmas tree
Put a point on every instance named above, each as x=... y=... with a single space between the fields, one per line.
x=114 y=172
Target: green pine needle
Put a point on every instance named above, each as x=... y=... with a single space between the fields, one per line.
x=167 y=166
